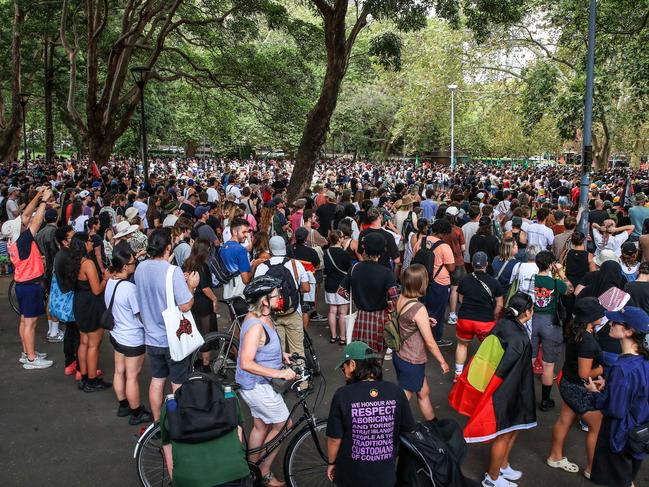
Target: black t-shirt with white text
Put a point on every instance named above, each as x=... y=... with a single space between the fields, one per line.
x=368 y=416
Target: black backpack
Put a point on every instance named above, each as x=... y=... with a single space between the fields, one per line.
x=218 y=269
x=408 y=226
x=288 y=291
x=202 y=411
x=426 y=256
x=431 y=455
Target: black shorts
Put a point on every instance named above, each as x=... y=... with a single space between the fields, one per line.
x=163 y=367
x=127 y=351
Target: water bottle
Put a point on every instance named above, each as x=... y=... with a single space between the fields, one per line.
x=172 y=405
x=228 y=392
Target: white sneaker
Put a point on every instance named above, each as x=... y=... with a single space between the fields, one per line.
x=38 y=363
x=388 y=354
x=510 y=474
x=58 y=338
x=23 y=356
x=499 y=482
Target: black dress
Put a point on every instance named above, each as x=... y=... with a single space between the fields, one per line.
x=88 y=308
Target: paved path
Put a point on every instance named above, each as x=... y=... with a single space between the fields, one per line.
x=54 y=434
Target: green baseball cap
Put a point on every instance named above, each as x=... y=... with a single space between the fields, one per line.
x=357 y=351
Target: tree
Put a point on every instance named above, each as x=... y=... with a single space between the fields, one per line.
x=10 y=127
x=339 y=40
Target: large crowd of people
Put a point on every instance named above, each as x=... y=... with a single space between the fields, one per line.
x=485 y=252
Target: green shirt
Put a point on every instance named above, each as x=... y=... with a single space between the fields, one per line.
x=205 y=464
x=545 y=293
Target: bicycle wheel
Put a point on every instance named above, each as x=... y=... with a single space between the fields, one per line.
x=150 y=461
x=309 y=353
x=304 y=465
x=13 y=299
x=217 y=356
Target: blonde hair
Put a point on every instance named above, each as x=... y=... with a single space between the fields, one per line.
x=506 y=251
x=415 y=281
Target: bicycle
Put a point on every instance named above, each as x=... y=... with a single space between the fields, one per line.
x=305 y=463
x=222 y=349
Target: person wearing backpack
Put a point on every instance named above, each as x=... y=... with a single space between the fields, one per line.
x=295 y=281
x=416 y=337
x=481 y=297
x=437 y=257
x=217 y=458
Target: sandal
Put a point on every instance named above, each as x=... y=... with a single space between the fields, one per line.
x=333 y=340
x=563 y=464
x=341 y=341
x=270 y=480
x=587 y=474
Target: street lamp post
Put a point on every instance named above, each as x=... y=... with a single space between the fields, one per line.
x=587 y=149
x=140 y=74
x=452 y=88
x=22 y=98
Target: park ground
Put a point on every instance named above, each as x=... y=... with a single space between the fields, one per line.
x=54 y=434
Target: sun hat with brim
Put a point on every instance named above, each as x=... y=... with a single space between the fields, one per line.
x=631 y=316
x=11 y=229
x=588 y=310
x=605 y=255
x=171 y=206
x=452 y=210
x=356 y=351
x=131 y=213
x=124 y=228
x=405 y=201
x=13 y=189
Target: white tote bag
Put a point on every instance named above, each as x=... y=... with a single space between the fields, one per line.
x=350 y=318
x=182 y=335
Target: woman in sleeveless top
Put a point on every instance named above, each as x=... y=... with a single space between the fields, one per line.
x=347 y=243
x=260 y=360
x=578 y=261
x=417 y=337
x=88 y=309
x=413 y=238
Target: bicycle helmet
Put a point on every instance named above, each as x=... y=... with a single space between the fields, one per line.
x=260 y=286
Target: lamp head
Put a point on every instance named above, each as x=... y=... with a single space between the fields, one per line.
x=452 y=87
x=139 y=74
x=23 y=97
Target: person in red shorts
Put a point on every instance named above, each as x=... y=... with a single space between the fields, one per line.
x=481 y=298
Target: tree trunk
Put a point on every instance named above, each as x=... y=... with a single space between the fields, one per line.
x=48 y=99
x=100 y=148
x=601 y=146
x=10 y=134
x=317 y=123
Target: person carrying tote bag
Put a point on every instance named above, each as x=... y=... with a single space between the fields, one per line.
x=182 y=334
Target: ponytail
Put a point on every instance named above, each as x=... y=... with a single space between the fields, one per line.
x=518 y=304
x=640 y=341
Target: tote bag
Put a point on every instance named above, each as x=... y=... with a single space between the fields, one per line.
x=182 y=335
x=61 y=303
x=350 y=319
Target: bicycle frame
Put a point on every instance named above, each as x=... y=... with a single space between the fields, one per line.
x=285 y=432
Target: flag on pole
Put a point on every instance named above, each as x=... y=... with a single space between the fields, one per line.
x=95 y=170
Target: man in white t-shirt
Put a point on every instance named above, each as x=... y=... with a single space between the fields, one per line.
x=142 y=207
x=538 y=233
x=212 y=191
x=233 y=188
x=289 y=327
x=608 y=236
x=469 y=229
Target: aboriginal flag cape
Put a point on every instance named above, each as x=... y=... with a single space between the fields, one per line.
x=496 y=389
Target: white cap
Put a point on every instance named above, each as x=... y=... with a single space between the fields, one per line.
x=277 y=245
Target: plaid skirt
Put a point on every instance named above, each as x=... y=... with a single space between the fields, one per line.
x=368 y=328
